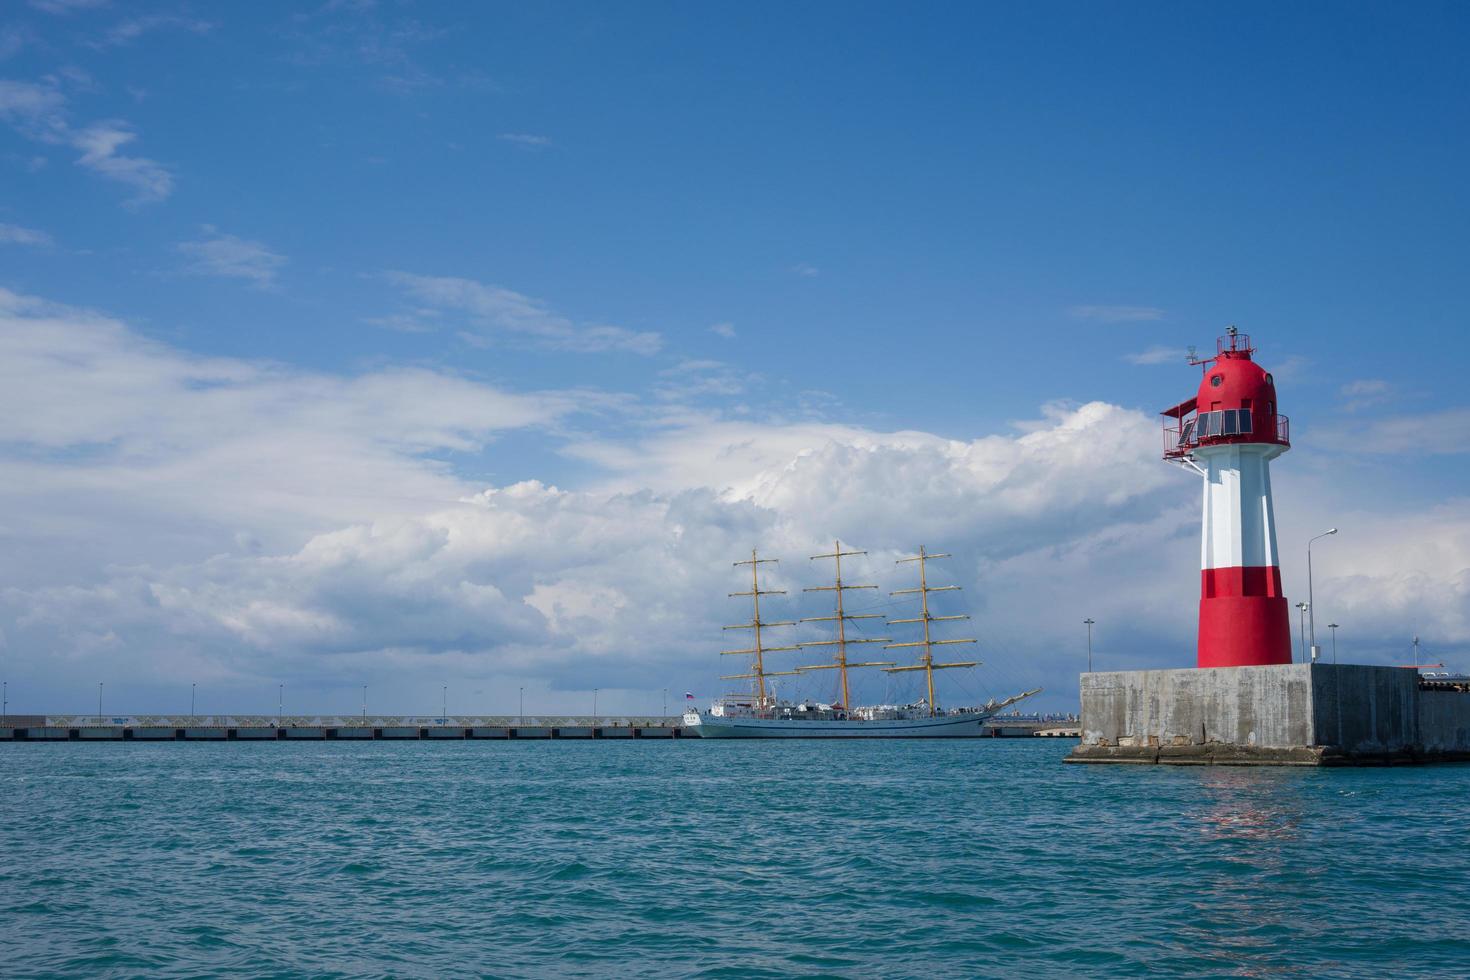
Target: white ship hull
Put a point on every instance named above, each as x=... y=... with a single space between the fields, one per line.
x=959 y=725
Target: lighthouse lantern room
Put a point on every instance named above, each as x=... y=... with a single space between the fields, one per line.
x=1228 y=433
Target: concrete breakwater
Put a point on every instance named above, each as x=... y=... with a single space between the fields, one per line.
x=1288 y=714
x=266 y=728
x=216 y=728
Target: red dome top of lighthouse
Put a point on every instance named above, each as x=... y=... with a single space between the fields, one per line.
x=1236 y=402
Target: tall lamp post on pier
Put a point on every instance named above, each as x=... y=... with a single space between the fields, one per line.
x=1310 y=612
x=1333 y=627
x=523 y=708
x=192 y=688
x=1089 y=623
x=594 y=707
x=364 y=704
x=280 y=703
x=1302 y=608
x=444 y=706
x=99 y=702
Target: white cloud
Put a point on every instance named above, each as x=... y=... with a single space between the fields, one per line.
x=1116 y=314
x=168 y=515
x=219 y=254
x=39 y=112
x=1156 y=355
x=1445 y=432
x=1365 y=393
x=494 y=309
x=528 y=141
x=67 y=6
x=16 y=235
x=127 y=31
x=99 y=144
x=726 y=330
x=806 y=271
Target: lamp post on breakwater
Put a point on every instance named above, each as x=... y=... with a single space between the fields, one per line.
x=1302 y=608
x=594 y=707
x=523 y=708
x=192 y=687
x=1089 y=623
x=1333 y=627
x=99 y=702
x=280 y=702
x=364 y=704
x=1312 y=613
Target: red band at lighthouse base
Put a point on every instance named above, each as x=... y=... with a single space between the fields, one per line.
x=1244 y=631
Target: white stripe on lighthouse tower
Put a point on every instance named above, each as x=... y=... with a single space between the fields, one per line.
x=1239 y=526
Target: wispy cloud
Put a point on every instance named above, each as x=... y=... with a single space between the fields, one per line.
x=1157 y=354
x=806 y=271
x=128 y=31
x=16 y=235
x=66 y=6
x=726 y=330
x=1440 y=433
x=1116 y=314
x=527 y=141
x=493 y=308
x=38 y=111
x=1364 y=393
x=219 y=254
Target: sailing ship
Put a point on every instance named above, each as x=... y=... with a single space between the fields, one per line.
x=761 y=713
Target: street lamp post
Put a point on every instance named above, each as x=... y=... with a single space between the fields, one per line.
x=523 y=708
x=666 y=703
x=1089 y=623
x=1312 y=615
x=1302 y=608
x=280 y=703
x=99 y=702
x=444 y=706
x=364 y=704
x=1333 y=627
x=192 y=688
x=594 y=707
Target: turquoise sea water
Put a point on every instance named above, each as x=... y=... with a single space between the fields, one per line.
x=921 y=859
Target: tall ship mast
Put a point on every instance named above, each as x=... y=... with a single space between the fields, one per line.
x=926 y=659
x=757 y=650
x=842 y=617
x=762 y=714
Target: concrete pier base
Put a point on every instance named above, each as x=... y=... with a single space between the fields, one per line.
x=1289 y=714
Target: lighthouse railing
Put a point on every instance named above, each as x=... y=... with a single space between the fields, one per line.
x=1183 y=435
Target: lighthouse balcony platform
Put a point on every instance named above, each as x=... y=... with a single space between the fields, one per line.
x=1222 y=428
x=1287 y=714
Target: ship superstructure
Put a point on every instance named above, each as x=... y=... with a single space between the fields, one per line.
x=761 y=713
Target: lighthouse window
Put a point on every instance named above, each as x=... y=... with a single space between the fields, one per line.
x=1230 y=422
x=1212 y=424
x=1245 y=421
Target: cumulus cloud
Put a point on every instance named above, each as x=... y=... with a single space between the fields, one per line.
x=726 y=330
x=496 y=310
x=805 y=270
x=169 y=515
x=16 y=235
x=219 y=254
x=1116 y=314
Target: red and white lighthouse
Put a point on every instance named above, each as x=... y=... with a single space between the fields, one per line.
x=1228 y=433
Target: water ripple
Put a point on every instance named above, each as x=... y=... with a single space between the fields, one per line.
x=718 y=860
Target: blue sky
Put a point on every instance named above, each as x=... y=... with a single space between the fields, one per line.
x=673 y=250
